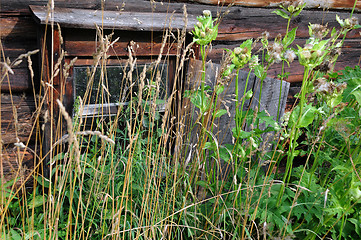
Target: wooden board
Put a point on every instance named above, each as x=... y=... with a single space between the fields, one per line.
x=332 y=4
x=271 y=93
x=132 y=21
x=23 y=122
x=18 y=36
x=21 y=6
x=16 y=164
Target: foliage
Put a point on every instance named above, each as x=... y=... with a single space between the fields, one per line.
x=130 y=176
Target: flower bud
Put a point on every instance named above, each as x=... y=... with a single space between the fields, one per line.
x=319 y=53
x=206 y=13
x=290 y=55
x=237 y=50
x=253 y=62
x=245 y=50
x=306 y=54
x=291 y=9
x=199 y=24
x=203 y=34
x=354 y=21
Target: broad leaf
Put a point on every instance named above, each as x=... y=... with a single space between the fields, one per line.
x=289 y=38
x=220 y=112
x=281 y=13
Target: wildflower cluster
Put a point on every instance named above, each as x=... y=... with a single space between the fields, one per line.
x=278 y=51
x=348 y=23
x=313 y=52
x=290 y=9
x=241 y=56
x=329 y=91
x=205 y=30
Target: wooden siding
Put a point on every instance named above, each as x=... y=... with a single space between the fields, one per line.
x=329 y=4
x=272 y=100
x=115 y=20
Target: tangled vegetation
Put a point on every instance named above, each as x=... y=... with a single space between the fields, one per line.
x=131 y=175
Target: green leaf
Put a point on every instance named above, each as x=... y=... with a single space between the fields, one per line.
x=210 y=146
x=242 y=134
x=36 y=202
x=308 y=115
x=202 y=183
x=357 y=95
x=219 y=89
x=289 y=38
x=220 y=113
x=258 y=71
x=15 y=235
x=196 y=99
x=333 y=32
x=281 y=13
x=34 y=234
x=225 y=154
x=299 y=10
x=340 y=21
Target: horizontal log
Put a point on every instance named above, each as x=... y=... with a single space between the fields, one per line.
x=117 y=20
x=330 y=4
x=18 y=82
x=88 y=48
x=16 y=164
x=17 y=118
x=17 y=27
x=349 y=57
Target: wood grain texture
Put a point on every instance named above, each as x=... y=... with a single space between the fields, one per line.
x=331 y=4
x=16 y=164
x=272 y=91
x=17 y=118
x=132 y=21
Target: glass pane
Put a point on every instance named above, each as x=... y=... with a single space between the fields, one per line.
x=115 y=86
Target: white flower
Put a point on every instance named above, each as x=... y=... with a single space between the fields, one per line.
x=306 y=54
x=237 y=50
x=290 y=55
x=207 y=13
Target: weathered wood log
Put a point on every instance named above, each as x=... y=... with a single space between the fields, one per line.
x=331 y=4
x=17 y=118
x=116 y=20
x=87 y=48
x=14 y=6
x=18 y=36
x=16 y=164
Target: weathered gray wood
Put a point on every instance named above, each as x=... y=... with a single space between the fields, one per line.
x=273 y=97
x=117 y=20
x=222 y=129
x=269 y=98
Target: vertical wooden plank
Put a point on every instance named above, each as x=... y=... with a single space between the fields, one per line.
x=269 y=100
x=272 y=96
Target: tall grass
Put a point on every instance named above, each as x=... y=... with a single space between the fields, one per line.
x=136 y=174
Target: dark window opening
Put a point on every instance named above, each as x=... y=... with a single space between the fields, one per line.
x=109 y=87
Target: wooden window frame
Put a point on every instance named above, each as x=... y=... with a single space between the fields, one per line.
x=145 y=29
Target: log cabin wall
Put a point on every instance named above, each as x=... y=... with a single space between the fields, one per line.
x=246 y=19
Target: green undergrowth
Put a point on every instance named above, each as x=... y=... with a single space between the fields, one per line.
x=135 y=174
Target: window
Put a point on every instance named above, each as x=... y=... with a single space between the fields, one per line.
x=143 y=32
x=107 y=93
